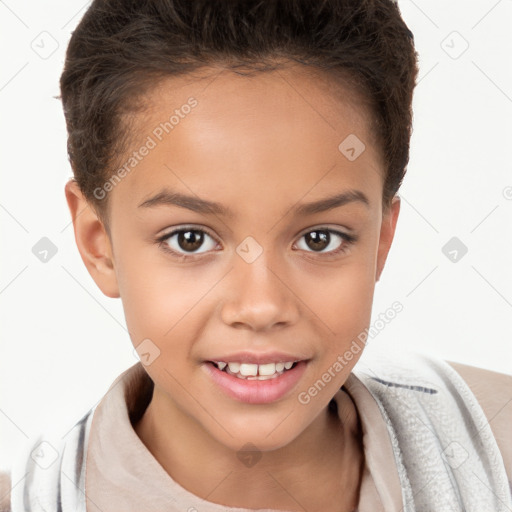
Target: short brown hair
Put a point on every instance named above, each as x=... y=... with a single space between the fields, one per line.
x=122 y=48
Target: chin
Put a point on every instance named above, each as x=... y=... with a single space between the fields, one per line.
x=267 y=434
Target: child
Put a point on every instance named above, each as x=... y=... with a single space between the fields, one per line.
x=236 y=168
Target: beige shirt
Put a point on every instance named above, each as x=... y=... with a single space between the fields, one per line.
x=122 y=475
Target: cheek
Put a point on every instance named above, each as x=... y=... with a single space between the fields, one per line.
x=341 y=299
x=141 y=286
x=160 y=300
x=344 y=307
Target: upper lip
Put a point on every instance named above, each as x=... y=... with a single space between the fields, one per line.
x=258 y=358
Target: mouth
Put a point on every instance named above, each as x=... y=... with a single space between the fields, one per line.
x=255 y=383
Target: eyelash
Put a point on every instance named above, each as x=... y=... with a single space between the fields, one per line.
x=348 y=241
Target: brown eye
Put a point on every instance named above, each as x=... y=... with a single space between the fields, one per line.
x=325 y=241
x=317 y=240
x=188 y=241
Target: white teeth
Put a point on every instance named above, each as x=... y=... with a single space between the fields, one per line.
x=247 y=369
x=254 y=371
x=268 y=369
x=234 y=367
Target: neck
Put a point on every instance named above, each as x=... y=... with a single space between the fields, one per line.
x=321 y=469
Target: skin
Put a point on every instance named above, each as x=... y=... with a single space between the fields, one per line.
x=259 y=145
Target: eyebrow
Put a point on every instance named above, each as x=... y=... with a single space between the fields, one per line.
x=196 y=204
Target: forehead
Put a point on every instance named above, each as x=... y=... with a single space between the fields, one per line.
x=270 y=128
x=293 y=94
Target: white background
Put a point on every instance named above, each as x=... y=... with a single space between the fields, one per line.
x=63 y=342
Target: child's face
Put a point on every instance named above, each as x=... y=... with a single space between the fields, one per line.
x=261 y=147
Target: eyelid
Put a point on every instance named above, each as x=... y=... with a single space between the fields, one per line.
x=327 y=227
x=183 y=227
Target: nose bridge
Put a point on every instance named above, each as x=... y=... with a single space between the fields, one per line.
x=258 y=297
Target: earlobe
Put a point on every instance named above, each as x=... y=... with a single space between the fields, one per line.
x=92 y=240
x=387 y=234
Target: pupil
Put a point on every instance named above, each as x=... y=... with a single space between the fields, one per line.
x=190 y=240
x=318 y=240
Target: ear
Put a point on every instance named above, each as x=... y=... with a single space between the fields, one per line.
x=92 y=241
x=387 y=232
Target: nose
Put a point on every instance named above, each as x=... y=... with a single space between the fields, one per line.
x=258 y=296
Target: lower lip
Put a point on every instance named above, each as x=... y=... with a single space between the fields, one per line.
x=257 y=391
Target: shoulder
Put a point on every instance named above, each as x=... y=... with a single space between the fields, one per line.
x=493 y=390
x=5 y=491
